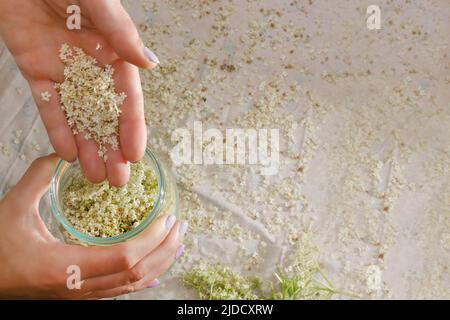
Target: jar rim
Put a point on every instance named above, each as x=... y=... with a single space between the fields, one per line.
x=85 y=238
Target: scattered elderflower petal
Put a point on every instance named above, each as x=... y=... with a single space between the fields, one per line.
x=45 y=96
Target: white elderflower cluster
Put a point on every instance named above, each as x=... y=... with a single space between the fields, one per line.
x=89 y=100
x=100 y=210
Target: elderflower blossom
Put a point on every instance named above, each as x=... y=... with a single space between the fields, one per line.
x=45 y=96
x=100 y=210
x=89 y=99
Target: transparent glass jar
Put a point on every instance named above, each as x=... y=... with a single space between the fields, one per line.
x=167 y=202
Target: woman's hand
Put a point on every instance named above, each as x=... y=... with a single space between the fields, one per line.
x=34 y=31
x=34 y=264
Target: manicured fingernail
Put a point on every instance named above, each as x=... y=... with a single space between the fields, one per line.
x=154 y=284
x=183 y=228
x=150 y=55
x=170 y=221
x=180 y=251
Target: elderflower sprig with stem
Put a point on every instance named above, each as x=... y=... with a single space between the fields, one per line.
x=301 y=279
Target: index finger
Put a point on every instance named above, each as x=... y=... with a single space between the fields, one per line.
x=132 y=129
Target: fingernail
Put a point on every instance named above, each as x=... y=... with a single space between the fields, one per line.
x=150 y=55
x=180 y=251
x=154 y=284
x=183 y=228
x=170 y=221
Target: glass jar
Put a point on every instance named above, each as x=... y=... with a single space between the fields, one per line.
x=166 y=202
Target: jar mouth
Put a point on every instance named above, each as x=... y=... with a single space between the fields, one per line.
x=58 y=211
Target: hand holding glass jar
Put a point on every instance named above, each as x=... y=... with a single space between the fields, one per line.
x=37 y=265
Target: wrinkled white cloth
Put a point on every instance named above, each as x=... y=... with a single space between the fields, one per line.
x=413 y=262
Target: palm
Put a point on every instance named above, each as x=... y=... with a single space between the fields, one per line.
x=34 y=38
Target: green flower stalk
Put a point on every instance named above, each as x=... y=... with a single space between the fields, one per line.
x=302 y=279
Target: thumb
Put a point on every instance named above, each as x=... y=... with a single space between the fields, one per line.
x=35 y=181
x=114 y=23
